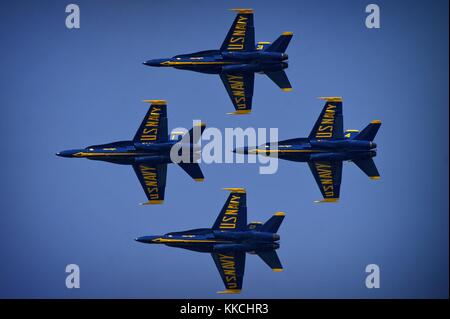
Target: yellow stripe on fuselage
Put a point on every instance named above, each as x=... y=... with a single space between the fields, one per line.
x=285 y=151
x=195 y=63
x=85 y=154
x=166 y=240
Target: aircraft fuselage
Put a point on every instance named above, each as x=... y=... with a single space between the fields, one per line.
x=222 y=62
x=129 y=152
x=208 y=240
x=306 y=150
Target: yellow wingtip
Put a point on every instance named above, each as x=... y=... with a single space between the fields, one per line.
x=230 y=291
x=156 y=102
x=375 y=122
x=331 y=98
x=200 y=124
x=288 y=33
x=279 y=214
x=286 y=89
x=240 y=112
x=277 y=269
x=235 y=189
x=375 y=177
x=327 y=200
x=199 y=179
x=153 y=202
x=243 y=10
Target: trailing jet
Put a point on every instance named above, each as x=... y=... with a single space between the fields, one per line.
x=237 y=60
x=326 y=147
x=150 y=151
x=229 y=239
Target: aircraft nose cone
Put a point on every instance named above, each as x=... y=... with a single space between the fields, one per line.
x=155 y=62
x=140 y=239
x=146 y=239
x=65 y=154
x=241 y=150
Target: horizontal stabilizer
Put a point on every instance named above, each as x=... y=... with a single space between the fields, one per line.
x=271 y=259
x=272 y=225
x=280 y=45
x=280 y=78
x=194 y=134
x=369 y=133
x=193 y=170
x=368 y=166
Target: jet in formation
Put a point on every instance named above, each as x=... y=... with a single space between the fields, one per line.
x=326 y=147
x=229 y=239
x=150 y=151
x=237 y=61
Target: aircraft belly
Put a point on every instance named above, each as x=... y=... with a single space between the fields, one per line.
x=122 y=160
x=196 y=248
x=295 y=157
x=208 y=69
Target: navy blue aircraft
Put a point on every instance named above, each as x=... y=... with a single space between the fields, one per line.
x=229 y=239
x=237 y=60
x=150 y=151
x=326 y=147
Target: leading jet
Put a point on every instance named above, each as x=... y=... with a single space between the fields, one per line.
x=326 y=147
x=237 y=61
x=150 y=151
x=229 y=239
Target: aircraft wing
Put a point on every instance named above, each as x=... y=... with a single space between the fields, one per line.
x=153 y=181
x=233 y=215
x=241 y=36
x=329 y=125
x=239 y=87
x=328 y=177
x=153 y=128
x=231 y=266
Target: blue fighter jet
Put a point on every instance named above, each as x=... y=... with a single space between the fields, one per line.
x=150 y=151
x=237 y=60
x=229 y=239
x=326 y=147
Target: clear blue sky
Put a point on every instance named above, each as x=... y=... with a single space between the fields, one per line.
x=65 y=88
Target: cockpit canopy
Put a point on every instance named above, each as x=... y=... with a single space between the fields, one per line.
x=111 y=145
x=197 y=54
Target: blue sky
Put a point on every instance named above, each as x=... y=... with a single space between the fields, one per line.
x=72 y=88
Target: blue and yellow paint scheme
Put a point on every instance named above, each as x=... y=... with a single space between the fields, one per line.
x=326 y=147
x=149 y=152
x=237 y=61
x=229 y=239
